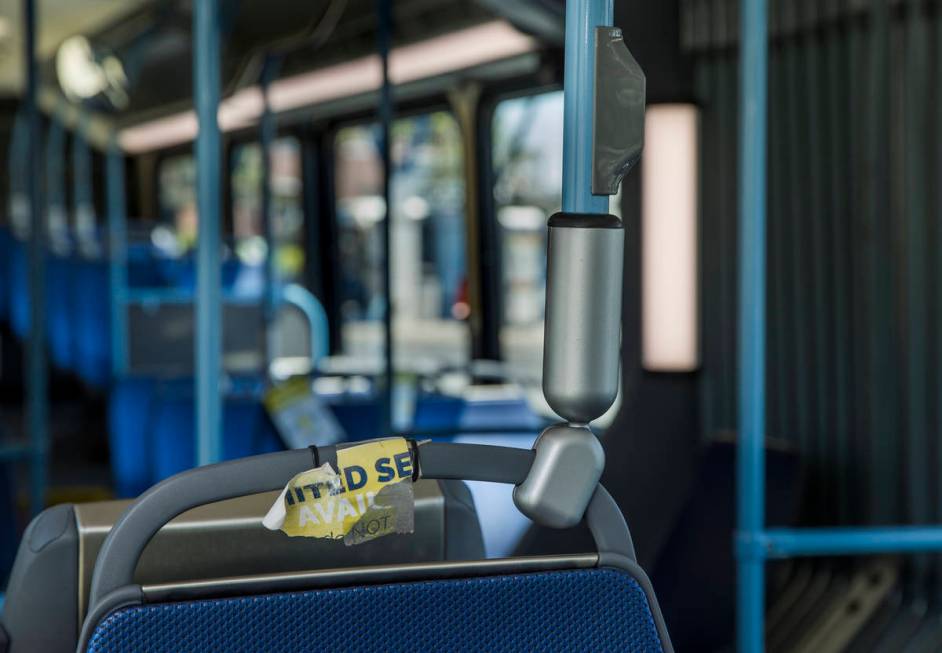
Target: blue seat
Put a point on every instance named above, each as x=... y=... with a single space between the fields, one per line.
x=92 y=323
x=360 y=414
x=245 y=427
x=61 y=285
x=19 y=289
x=130 y=419
x=512 y=605
x=587 y=610
x=436 y=412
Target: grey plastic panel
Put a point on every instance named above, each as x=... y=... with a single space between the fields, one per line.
x=161 y=339
x=124 y=545
x=227 y=539
x=174 y=496
x=44 y=575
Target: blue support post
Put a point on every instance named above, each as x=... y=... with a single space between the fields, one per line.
x=56 y=217
x=37 y=400
x=750 y=467
x=267 y=132
x=83 y=206
x=117 y=261
x=384 y=38
x=209 y=196
x=582 y=17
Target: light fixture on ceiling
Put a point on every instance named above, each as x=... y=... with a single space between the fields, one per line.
x=84 y=74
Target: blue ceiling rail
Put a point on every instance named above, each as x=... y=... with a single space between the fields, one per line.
x=206 y=90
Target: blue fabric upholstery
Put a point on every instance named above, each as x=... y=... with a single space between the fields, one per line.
x=245 y=428
x=130 y=408
x=60 y=300
x=442 y=412
x=585 y=610
x=19 y=289
x=93 y=322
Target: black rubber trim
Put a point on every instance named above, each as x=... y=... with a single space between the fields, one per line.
x=584 y=221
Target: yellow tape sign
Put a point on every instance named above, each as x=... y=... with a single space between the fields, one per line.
x=370 y=495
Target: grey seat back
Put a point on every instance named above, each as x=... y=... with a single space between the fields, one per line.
x=47 y=597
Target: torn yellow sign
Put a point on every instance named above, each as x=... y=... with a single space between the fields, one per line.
x=370 y=495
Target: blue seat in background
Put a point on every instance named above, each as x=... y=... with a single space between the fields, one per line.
x=19 y=288
x=246 y=429
x=438 y=412
x=144 y=269
x=360 y=414
x=5 y=288
x=92 y=322
x=130 y=419
x=61 y=282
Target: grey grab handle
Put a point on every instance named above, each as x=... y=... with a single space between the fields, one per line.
x=125 y=543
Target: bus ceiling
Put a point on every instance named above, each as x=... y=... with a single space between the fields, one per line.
x=130 y=67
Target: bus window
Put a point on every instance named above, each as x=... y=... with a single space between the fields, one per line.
x=287 y=213
x=527 y=137
x=177 y=178
x=428 y=241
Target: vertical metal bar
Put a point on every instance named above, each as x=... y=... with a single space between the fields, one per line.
x=55 y=184
x=838 y=88
x=209 y=196
x=117 y=262
x=726 y=94
x=883 y=400
x=794 y=158
x=83 y=207
x=751 y=458
x=936 y=297
x=384 y=37
x=582 y=17
x=916 y=127
x=267 y=129
x=817 y=180
x=37 y=399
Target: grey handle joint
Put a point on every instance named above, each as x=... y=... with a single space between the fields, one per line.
x=566 y=469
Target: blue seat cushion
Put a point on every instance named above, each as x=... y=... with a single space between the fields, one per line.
x=579 y=610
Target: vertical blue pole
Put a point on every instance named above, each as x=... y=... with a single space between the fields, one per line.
x=83 y=207
x=582 y=17
x=55 y=184
x=750 y=466
x=209 y=195
x=267 y=128
x=384 y=37
x=37 y=382
x=117 y=261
